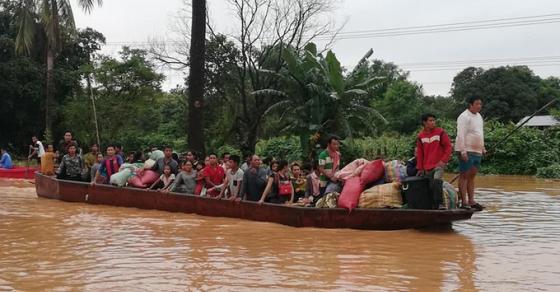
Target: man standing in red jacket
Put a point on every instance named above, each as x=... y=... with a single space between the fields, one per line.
x=433 y=148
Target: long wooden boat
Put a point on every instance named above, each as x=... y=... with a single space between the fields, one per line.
x=18 y=172
x=369 y=219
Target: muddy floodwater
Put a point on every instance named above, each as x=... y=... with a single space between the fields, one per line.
x=48 y=245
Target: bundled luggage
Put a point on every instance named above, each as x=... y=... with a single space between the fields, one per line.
x=329 y=200
x=372 y=172
x=354 y=168
x=450 y=196
x=382 y=196
x=395 y=171
x=120 y=178
x=351 y=193
x=143 y=179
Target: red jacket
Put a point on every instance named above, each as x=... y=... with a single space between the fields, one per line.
x=431 y=148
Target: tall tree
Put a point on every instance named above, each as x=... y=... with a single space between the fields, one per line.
x=266 y=29
x=509 y=92
x=195 y=122
x=49 y=19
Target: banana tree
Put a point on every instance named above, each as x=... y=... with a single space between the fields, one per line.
x=319 y=98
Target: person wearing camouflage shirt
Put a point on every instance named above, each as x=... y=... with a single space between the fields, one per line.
x=71 y=165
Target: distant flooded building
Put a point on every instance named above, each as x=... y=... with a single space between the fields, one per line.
x=540 y=122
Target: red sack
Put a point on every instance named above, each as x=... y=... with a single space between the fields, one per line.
x=148 y=177
x=351 y=192
x=373 y=171
x=136 y=182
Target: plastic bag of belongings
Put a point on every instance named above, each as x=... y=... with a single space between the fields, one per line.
x=353 y=169
x=126 y=171
x=382 y=196
x=329 y=200
x=450 y=196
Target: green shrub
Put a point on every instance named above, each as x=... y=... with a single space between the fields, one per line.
x=230 y=149
x=280 y=148
x=387 y=146
x=552 y=171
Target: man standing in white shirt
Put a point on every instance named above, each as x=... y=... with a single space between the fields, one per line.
x=470 y=147
x=37 y=149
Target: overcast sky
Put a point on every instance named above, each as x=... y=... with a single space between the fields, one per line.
x=133 y=21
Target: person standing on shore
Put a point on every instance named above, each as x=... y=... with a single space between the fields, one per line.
x=37 y=149
x=469 y=145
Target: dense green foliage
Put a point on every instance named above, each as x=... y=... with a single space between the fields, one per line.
x=552 y=171
x=129 y=101
x=527 y=152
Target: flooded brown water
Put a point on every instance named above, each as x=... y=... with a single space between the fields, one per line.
x=51 y=245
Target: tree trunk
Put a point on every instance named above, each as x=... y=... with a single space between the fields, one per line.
x=49 y=96
x=195 y=127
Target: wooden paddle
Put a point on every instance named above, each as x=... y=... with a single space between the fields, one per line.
x=27 y=166
x=495 y=146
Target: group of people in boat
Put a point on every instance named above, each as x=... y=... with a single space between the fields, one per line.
x=274 y=181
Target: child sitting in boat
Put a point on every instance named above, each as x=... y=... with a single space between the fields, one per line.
x=165 y=180
x=47 y=161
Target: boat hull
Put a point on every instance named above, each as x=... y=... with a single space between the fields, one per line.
x=18 y=172
x=368 y=219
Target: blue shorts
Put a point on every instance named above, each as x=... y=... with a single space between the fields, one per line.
x=473 y=160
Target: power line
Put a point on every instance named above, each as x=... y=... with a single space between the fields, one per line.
x=440 y=30
x=410 y=30
x=512 y=21
x=498 y=60
x=461 y=68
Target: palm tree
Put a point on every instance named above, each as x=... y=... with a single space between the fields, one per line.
x=49 y=18
x=195 y=127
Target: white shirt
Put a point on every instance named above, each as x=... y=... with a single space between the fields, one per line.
x=470 y=133
x=167 y=180
x=41 y=149
x=234 y=180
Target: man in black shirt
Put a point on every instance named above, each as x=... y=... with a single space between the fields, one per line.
x=254 y=180
x=63 y=145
